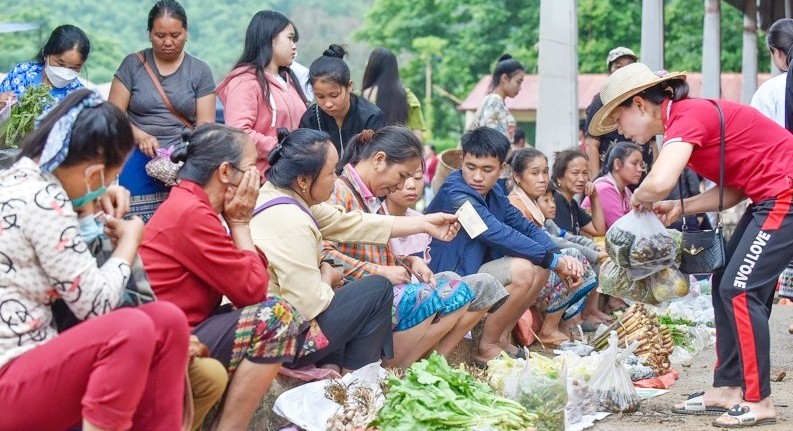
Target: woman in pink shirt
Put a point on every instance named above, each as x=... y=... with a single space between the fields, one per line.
x=262 y=93
x=623 y=167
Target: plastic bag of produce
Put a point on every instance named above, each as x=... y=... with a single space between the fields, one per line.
x=580 y=400
x=614 y=281
x=541 y=393
x=640 y=244
x=611 y=381
x=668 y=284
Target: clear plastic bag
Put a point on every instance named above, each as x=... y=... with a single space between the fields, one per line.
x=540 y=393
x=580 y=400
x=669 y=284
x=615 y=282
x=612 y=382
x=640 y=244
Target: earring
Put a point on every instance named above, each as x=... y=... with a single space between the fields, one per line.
x=304 y=189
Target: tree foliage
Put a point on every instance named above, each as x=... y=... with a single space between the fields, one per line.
x=477 y=32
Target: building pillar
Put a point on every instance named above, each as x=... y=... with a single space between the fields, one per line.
x=749 y=61
x=711 y=50
x=557 y=101
x=652 y=50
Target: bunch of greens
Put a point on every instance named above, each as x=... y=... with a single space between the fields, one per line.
x=434 y=396
x=679 y=330
x=23 y=115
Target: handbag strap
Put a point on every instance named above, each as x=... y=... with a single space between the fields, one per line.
x=160 y=90
x=283 y=200
x=722 y=144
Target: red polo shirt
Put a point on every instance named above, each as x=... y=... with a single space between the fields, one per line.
x=192 y=262
x=758 y=155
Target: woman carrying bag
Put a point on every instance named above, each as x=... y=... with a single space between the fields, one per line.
x=748 y=155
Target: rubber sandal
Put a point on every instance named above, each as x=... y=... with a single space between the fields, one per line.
x=695 y=405
x=745 y=418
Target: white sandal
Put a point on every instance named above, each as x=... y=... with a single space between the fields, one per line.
x=695 y=405
x=745 y=418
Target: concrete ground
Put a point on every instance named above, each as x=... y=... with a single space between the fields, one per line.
x=655 y=414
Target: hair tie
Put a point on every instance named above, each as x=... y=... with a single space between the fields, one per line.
x=57 y=146
x=365 y=136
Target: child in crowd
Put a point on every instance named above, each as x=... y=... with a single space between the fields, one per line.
x=512 y=249
x=594 y=252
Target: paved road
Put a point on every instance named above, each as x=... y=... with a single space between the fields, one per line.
x=655 y=414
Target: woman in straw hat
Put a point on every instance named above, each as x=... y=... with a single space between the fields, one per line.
x=641 y=104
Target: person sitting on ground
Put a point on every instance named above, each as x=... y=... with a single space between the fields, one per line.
x=489 y=293
x=558 y=299
x=291 y=220
x=425 y=312
x=193 y=262
x=57 y=64
x=516 y=252
x=622 y=168
x=338 y=111
x=63 y=166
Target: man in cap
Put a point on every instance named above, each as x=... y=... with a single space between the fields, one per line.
x=596 y=147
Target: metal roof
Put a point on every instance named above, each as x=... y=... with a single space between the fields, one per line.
x=13 y=27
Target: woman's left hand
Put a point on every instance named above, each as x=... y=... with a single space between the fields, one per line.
x=240 y=200
x=441 y=225
x=639 y=205
x=421 y=269
x=115 y=201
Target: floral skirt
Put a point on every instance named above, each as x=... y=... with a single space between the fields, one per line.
x=786 y=283
x=415 y=302
x=557 y=294
x=272 y=331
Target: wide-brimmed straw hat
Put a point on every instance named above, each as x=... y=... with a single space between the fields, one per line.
x=624 y=83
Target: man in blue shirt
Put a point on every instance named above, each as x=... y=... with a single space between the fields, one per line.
x=512 y=249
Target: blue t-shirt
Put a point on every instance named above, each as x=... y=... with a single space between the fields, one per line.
x=25 y=75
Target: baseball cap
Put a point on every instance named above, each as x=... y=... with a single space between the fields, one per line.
x=618 y=52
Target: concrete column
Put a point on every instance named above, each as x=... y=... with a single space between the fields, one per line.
x=652 y=50
x=557 y=101
x=749 y=61
x=711 y=50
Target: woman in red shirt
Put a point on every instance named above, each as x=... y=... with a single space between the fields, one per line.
x=192 y=261
x=640 y=104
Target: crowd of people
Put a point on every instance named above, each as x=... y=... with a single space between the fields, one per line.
x=288 y=236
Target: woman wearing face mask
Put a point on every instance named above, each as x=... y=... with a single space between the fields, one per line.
x=622 y=168
x=262 y=93
x=163 y=90
x=376 y=164
x=57 y=64
x=119 y=369
x=338 y=112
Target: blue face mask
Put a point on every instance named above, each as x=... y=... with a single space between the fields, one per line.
x=89 y=228
x=91 y=195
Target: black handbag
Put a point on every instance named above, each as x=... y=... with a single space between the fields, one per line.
x=703 y=251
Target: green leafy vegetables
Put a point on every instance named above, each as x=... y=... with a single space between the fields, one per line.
x=23 y=115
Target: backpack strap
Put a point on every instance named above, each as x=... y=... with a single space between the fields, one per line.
x=283 y=200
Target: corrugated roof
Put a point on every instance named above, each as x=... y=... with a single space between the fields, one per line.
x=589 y=85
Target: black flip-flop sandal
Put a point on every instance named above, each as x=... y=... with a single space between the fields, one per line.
x=695 y=405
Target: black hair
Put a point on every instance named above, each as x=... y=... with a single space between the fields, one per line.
x=65 y=38
x=550 y=189
x=99 y=132
x=674 y=89
x=780 y=37
x=258 y=49
x=207 y=147
x=170 y=8
x=520 y=135
x=330 y=67
x=560 y=162
x=619 y=151
x=382 y=71
x=520 y=159
x=397 y=142
x=506 y=65
x=485 y=142
x=300 y=152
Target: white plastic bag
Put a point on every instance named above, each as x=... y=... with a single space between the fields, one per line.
x=640 y=244
x=612 y=382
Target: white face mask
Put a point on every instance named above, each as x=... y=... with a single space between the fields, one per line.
x=60 y=76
